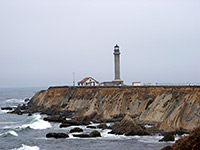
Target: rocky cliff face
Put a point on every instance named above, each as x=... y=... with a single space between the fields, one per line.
x=170 y=108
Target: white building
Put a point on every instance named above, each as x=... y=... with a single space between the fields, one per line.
x=136 y=83
x=88 y=81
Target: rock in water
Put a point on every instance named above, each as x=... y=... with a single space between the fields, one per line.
x=190 y=142
x=128 y=127
x=17 y=111
x=95 y=133
x=24 y=107
x=168 y=137
x=136 y=131
x=6 y=108
x=92 y=127
x=76 y=130
x=56 y=118
x=72 y=122
x=82 y=135
x=64 y=125
x=103 y=126
x=26 y=100
x=30 y=114
x=57 y=135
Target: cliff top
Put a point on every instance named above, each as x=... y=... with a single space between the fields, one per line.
x=143 y=86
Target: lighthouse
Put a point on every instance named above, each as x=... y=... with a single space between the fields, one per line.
x=117 y=80
x=117 y=62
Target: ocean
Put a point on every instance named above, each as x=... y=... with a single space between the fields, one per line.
x=23 y=132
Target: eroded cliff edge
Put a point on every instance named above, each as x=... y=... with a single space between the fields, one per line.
x=169 y=108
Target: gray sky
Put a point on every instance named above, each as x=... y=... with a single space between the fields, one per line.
x=42 y=42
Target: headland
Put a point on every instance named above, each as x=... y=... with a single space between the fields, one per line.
x=168 y=108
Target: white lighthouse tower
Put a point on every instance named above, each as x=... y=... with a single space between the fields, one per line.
x=117 y=80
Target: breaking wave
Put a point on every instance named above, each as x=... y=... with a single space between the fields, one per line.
x=13 y=133
x=26 y=147
x=36 y=122
x=33 y=122
x=14 y=100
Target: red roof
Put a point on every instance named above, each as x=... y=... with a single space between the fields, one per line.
x=85 y=79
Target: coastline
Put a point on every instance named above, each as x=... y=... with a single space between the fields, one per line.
x=169 y=108
x=123 y=126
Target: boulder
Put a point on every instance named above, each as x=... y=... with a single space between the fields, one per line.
x=85 y=120
x=72 y=122
x=168 y=137
x=6 y=108
x=57 y=135
x=56 y=118
x=128 y=127
x=82 y=135
x=64 y=125
x=136 y=131
x=103 y=126
x=154 y=130
x=30 y=114
x=17 y=111
x=76 y=130
x=92 y=127
x=20 y=113
x=24 y=107
x=181 y=132
x=26 y=100
x=95 y=133
x=190 y=142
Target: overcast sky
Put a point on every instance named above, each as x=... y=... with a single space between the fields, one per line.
x=42 y=42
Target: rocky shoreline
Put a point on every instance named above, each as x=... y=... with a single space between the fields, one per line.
x=167 y=110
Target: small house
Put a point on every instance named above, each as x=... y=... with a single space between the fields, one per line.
x=88 y=81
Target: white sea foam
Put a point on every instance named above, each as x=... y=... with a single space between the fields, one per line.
x=35 y=122
x=14 y=100
x=148 y=139
x=104 y=133
x=148 y=126
x=13 y=133
x=177 y=137
x=3 y=111
x=26 y=147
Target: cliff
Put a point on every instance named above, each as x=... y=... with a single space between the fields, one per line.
x=169 y=107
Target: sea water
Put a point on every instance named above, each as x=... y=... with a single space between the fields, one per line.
x=23 y=132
